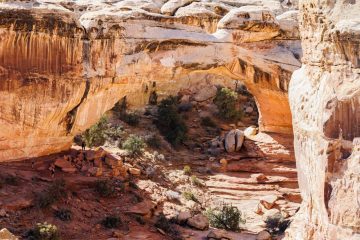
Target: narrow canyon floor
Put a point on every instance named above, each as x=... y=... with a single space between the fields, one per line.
x=260 y=180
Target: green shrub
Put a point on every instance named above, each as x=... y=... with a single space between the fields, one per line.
x=132 y=119
x=55 y=192
x=105 y=188
x=134 y=144
x=153 y=141
x=96 y=135
x=170 y=122
x=225 y=100
x=276 y=225
x=208 y=122
x=44 y=231
x=63 y=214
x=196 y=182
x=227 y=217
x=164 y=224
x=187 y=170
x=111 y=222
x=190 y=196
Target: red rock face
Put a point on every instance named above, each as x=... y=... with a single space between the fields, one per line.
x=61 y=69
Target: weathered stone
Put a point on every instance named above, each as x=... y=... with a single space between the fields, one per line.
x=263 y=235
x=234 y=140
x=199 y=221
x=218 y=234
x=268 y=201
x=135 y=171
x=7 y=235
x=183 y=217
x=325 y=104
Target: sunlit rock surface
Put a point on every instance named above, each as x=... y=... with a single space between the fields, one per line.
x=325 y=102
x=64 y=63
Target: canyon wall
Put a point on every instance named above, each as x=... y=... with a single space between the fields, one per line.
x=325 y=103
x=64 y=63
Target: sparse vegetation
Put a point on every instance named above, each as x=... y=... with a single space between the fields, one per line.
x=134 y=145
x=187 y=170
x=63 y=214
x=111 y=222
x=55 y=192
x=170 y=122
x=164 y=224
x=226 y=217
x=208 y=122
x=225 y=100
x=44 y=231
x=196 y=182
x=190 y=196
x=276 y=224
x=105 y=188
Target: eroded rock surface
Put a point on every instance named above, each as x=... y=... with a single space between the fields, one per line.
x=64 y=63
x=324 y=97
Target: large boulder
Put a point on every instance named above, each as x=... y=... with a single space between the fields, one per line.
x=7 y=235
x=199 y=221
x=234 y=140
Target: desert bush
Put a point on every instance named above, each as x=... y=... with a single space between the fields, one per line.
x=111 y=222
x=105 y=188
x=170 y=122
x=132 y=119
x=63 y=214
x=55 y=192
x=44 y=231
x=226 y=217
x=187 y=170
x=190 y=196
x=196 y=182
x=164 y=224
x=134 y=145
x=153 y=141
x=208 y=122
x=96 y=135
x=225 y=100
x=276 y=224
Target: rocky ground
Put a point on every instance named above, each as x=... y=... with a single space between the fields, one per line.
x=260 y=180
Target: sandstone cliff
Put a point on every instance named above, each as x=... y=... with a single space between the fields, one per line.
x=64 y=63
x=324 y=98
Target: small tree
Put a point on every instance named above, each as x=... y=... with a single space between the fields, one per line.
x=226 y=217
x=225 y=100
x=170 y=122
x=134 y=144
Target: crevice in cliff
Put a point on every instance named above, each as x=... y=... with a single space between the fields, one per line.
x=71 y=115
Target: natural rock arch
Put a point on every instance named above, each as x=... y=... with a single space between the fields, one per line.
x=60 y=78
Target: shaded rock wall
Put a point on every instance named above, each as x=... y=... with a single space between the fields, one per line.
x=324 y=98
x=63 y=64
